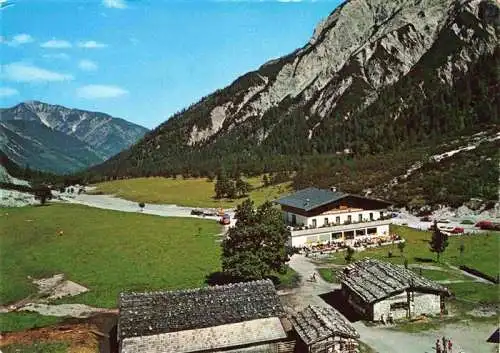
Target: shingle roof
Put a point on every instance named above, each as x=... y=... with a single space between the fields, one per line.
x=316 y=323
x=209 y=338
x=160 y=312
x=310 y=198
x=373 y=280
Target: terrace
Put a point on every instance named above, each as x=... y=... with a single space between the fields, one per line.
x=346 y=226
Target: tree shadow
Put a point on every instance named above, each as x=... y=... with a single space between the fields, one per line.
x=219 y=278
x=338 y=301
x=423 y=259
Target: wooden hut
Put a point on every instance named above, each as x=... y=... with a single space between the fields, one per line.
x=324 y=330
x=379 y=290
x=220 y=318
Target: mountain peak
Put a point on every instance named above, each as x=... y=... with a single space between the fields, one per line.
x=78 y=136
x=371 y=69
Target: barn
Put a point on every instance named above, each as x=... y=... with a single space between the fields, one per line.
x=379 y=290
x=230 y=318
x=324 y=329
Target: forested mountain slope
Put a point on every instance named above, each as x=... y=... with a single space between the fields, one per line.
x=58 y=139
x=377 y=76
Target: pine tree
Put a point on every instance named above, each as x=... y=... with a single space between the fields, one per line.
x=438 y=242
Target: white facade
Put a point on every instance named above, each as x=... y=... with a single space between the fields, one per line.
x=333 y=217
x=407 y=305
x=347 y=226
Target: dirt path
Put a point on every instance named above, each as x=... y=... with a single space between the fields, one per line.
x=308 y=292
x=65 y=310
x=466 y=337
x=110 y=202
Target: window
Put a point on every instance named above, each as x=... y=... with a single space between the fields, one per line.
x=371 y=216
x=337 y=219
x=312 y=239
x=399 y=305
x=337 y=235
x=326 y=221
x=294 y=219
x=324 y=237
x=381 y=215
x=349 y=218
x=360 y=232
x=372 y=230
x=349 y=235
x=360 y=217
x=314 y=223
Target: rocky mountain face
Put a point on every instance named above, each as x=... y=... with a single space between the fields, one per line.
x=376 y=75
x=58 y=139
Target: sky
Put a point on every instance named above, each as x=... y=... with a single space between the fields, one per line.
x=142 y=60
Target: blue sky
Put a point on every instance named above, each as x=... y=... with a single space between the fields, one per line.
x=142 y=60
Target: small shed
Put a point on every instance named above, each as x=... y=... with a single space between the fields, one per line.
x=224 y=318
x=378 y=289
x=324 y=329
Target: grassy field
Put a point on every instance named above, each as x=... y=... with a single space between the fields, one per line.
x=185 y=192
x=37 y=347
x=18 y=321
x=481 y=252
x=106 y=251
x=328 y=274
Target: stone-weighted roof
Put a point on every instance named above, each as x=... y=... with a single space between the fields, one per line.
x=373 y=280
x=315 y=324
x=153 y=313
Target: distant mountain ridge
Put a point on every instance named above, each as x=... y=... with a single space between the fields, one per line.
x=377 y=75
x=62 y=140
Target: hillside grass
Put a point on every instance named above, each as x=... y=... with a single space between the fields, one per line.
x=106 y=251
x=19 y=321
x=191 y=192
x=38 y=347
x=481 y=250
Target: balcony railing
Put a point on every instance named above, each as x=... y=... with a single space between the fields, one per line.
x=296 y=231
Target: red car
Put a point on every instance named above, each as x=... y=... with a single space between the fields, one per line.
x=457 y=230
x=226 y=219
x=484 y=224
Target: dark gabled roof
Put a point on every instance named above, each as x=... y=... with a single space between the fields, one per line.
x=495 y=337
x=143 y=314
x=373 y=280
x=315 y=324
x=310 y=198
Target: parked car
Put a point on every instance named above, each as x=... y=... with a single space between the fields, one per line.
x=195 y=212
x=209 y=213
x=443 y=220
x=457 y=230
x=426 y=219
x=481 y=224
x=226 y=219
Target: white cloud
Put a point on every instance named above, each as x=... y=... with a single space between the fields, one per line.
x=21 y=72
x=61 y=56
x=115 y=4
x=7 y=92
x=22 y=38
x=87 y=65
x=56 y=44
x=17 y=40
x=100 y=91
x=91 y=44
